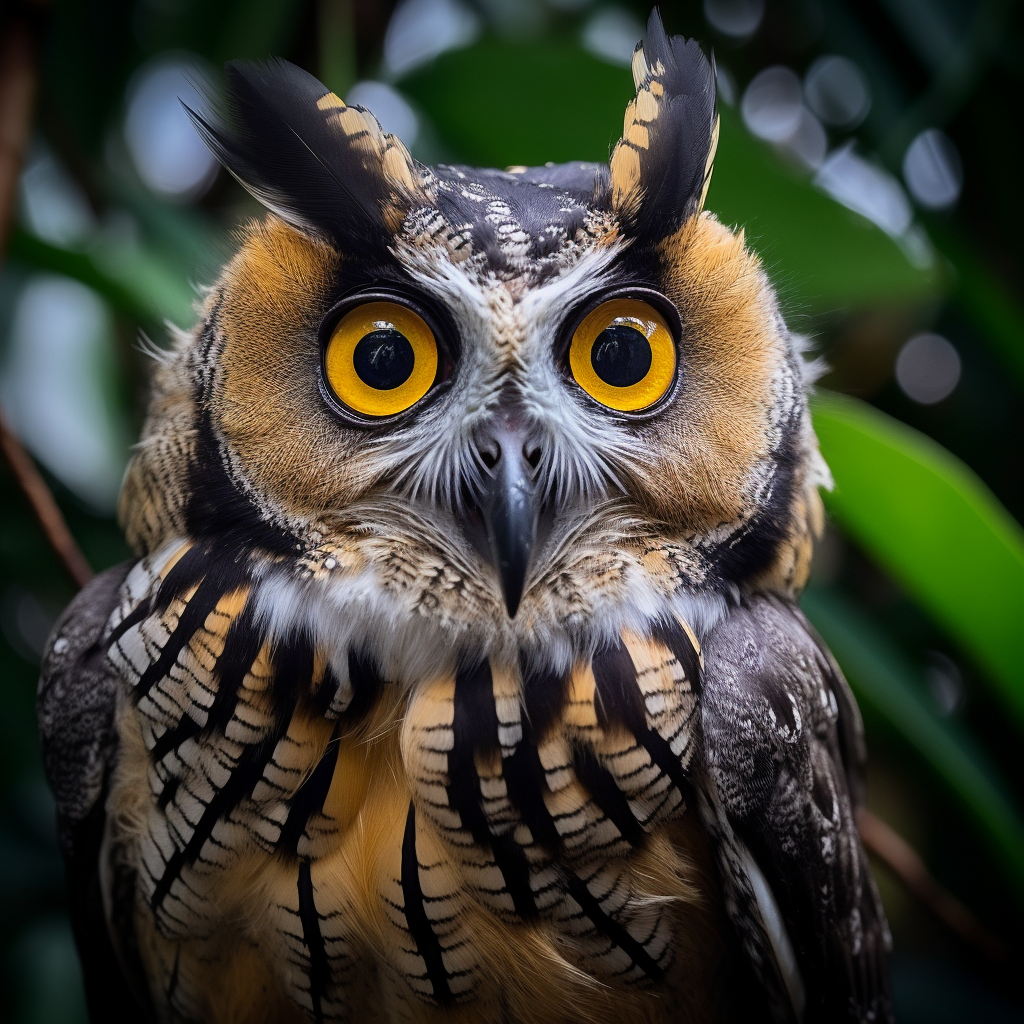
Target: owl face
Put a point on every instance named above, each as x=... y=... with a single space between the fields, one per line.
x=520 y=407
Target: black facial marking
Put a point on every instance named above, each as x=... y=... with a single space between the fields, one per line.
x=217 y=508
x=621 y=355
x=384 y=359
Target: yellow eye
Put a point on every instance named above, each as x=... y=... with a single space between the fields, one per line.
x=623 y=355
x=381 y=359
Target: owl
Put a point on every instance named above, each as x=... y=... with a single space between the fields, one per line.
x=459 y=675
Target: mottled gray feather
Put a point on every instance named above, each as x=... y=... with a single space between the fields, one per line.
x=75 y=703
x=784 y=762
x=76 y=706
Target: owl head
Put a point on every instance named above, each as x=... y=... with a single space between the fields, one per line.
x=527 y=406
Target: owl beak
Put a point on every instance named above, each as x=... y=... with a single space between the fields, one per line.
x=510 y=506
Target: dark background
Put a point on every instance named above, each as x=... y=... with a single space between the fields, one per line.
x=883 y=193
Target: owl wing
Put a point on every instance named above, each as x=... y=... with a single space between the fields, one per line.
x=76 y=705
x=783 y=775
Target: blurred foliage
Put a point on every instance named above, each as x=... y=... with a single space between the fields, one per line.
x=820 y=254
x=885 y=474
x=919 y=582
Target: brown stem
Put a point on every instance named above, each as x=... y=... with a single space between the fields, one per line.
x=907 y=865
x=18 y=47
x=45 y=508
x=17 y=98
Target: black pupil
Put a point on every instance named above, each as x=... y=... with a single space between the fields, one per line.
x=621 y=355
x=384 y=359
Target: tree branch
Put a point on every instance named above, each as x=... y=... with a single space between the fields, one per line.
x=44 y=507
x=908 y=866
x=18 y=53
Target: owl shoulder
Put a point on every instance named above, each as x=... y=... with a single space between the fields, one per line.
x=76 y=698
x=76 y=704
x=783 y=748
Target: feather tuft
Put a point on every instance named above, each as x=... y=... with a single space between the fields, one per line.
x=323 y=166
x=661 y=167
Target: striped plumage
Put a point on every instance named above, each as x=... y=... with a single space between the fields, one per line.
x=495 y=709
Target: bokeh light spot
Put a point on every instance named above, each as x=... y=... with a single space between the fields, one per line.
x=167 y=152
x=837 y=91
x=611 y=35
x=772 y=104
x=54 y=387
x=866 y=188
x=421 y=30
x=739 y=19
x=928 y=368
x=932 y=170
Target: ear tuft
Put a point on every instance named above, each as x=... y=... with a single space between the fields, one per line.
x=661 y=167
x=322 y=166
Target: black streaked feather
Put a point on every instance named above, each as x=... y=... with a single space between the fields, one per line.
x=617 y=698
x=527 y=783
x=661 y=754
x=270 y=134
x=241 y=646
x=416 y=915
x=186 y=573
x=309 y=918
x=243 y=778
x=367 y=684
x=601 y=785
x=672 y=166
x=676 y=640
x=544 y=697
x=611 y=928
x=475 y=729
x=310 y=798
x=193 y=617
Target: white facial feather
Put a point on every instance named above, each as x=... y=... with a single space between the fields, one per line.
x=507 y=343
x=367 y=607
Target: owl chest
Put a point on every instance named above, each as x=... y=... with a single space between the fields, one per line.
x=493 y=843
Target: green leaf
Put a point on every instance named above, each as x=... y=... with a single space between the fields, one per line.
x=559 y=103
x=929 y=520
x=556 y=102
x=137 y=284
x=257 y=28
x=884 y=682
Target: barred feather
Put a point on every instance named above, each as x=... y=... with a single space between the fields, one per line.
x=319 y=164
x=661 y=167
